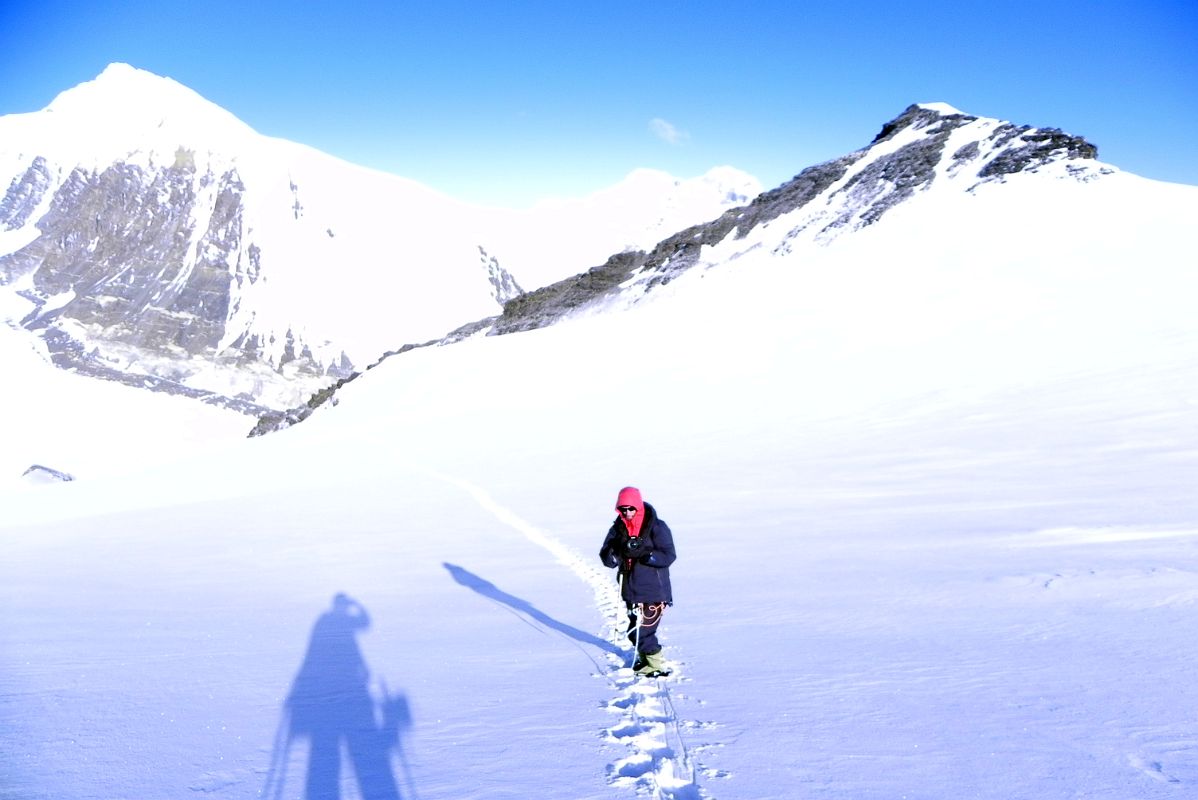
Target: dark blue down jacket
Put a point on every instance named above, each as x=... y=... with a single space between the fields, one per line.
x=646 y=580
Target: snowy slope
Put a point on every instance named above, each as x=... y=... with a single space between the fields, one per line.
x=931 y=486
x=561 y=237
x=88 y=428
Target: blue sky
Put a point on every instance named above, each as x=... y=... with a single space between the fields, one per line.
x=507 y=102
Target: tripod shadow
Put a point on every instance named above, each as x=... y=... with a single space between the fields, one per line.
x=487 y=589
x=330 y=706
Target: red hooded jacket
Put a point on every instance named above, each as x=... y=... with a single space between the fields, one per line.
x=647 y=578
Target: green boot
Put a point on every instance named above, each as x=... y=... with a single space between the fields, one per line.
x=654 y=666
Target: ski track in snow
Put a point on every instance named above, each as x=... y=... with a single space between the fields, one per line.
x=659 y=762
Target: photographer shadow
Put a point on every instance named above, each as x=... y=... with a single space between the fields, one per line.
x=331 y=707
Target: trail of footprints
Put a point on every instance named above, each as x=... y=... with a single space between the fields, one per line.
x=660 y=761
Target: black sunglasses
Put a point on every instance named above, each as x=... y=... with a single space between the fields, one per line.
x=626 y=509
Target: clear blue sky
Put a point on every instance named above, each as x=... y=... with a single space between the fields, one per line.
x=504 y=102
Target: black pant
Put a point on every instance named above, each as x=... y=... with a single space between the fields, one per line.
x=645 y=638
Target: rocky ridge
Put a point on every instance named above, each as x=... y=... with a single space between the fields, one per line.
x=926 y=145
x=827 y=200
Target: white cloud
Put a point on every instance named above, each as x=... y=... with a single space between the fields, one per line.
x=666 y=131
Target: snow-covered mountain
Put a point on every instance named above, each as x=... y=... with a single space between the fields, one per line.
x=1026 y=194
x=930 y=149
x=930 y=473
x=160 y=241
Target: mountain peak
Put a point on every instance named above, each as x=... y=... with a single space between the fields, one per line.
x=1026 y=145
x=943 y=109
x=128 y=104
x=126 y=87
x=917 y=116
x=120 y=71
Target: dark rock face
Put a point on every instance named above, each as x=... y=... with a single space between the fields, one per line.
x=118 y=241
x=1038 y=146
x=122 y=273
x=797 y=193
x=24 y=195
x=890 y=180
x=545 y=305
x=918 y=117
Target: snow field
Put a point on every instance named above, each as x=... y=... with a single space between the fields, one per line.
x=934 y=509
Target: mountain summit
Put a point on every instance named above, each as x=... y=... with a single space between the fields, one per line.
x=127 y=107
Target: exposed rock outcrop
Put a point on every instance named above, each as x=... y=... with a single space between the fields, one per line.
x=40 y=474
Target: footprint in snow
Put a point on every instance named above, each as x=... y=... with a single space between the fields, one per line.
x=1152 y=769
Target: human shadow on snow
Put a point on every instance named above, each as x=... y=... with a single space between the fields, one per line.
x=487 y=589
x=330 y=706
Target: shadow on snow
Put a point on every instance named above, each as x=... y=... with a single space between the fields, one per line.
x=331 y=707
x=487 y=589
